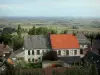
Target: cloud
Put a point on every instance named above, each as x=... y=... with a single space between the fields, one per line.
x=3 y=6
x=11 y=6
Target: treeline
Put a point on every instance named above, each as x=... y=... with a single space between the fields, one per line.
x=44 y=30
x=92 y=36
x=10 y=30
x=15 y=41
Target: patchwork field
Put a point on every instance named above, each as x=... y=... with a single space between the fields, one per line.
x=89 y=25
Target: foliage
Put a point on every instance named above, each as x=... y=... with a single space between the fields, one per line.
x=53 y=31
x=17 y=42
x=19 y=30
x=8 y=30
x=41 y=31
x=74 y=27
x=57 y=71
x=93 y=70
x=74 y=33
x=26 y=65
x=6 y=38
x=32 y=31
x=64 y=32
x=35 y=65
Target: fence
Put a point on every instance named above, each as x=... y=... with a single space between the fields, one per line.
x=48 y=71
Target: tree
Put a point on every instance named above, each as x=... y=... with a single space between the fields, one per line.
x=5 y=38
x=74 y=33
x=97 y=36
x=41 y=30
x=32 y=31
x=64 y=32
x=17 y=42
x=91 y=37
x=74 y=27
x=53 y=31
x=19 y=30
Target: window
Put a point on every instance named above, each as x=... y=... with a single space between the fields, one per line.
x=38 y=52
x=59 y=52
x=32 y=59
x=75 y=52
x=29 y=60
x=67 y=52
x=28 y=52
x=81 y=51
x=39 y=59
x=32 y=52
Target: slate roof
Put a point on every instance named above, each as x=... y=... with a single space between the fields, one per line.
x=36 y=42
x=82 y=39
x=18 y=51
x=70 y=59
x=96 y=44
x=63 y=41
x=92 y=58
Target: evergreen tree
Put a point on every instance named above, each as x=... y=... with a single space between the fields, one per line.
x=19 y=30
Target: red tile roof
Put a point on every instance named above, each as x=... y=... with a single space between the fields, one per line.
x=63 y=41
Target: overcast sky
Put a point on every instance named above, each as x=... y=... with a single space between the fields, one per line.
x=50 y=8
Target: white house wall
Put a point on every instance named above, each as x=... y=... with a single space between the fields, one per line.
x=71 y=52
x=35 y=56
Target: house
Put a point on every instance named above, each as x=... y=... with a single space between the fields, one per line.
x=35 y=46
x=5 y=50
x=65 y=45
x=92 y=58
x=96 y=46
x=84 y=43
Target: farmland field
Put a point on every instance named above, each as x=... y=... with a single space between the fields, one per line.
x=82 y=24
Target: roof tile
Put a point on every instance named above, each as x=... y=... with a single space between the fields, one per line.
x=64 y=41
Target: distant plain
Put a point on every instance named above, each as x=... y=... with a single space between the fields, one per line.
x=82 y=24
